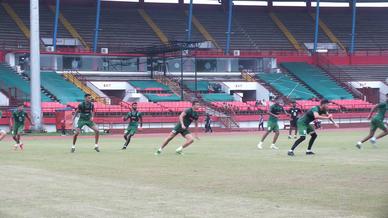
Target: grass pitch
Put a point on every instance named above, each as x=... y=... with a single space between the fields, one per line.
x=219 y=176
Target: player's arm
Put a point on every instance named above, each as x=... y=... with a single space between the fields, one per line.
x=326 y=116
x=183 y=114
x=75 y=114
x=372 y=111
x=125 y=117
x=93 y=113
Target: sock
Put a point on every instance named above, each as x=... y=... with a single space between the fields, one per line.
x=73 y=146
x=179 y=149
x=308 y=150
x=272 y=145
x=96 y=145
x=373 y=138
x=359 y=143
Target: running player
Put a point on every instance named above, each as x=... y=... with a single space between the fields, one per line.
x=294 y=113
x=272 y=124
x=134 y=117
x=2 y=132
x=86 y=111
x=182 y=127
x=377 y=122
x=304 y=126
x=19 y=117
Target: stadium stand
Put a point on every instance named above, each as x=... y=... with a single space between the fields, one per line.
x=162 y=97
x=46 y=21
x=261 y=29
x=285 y=85
x=208 y=15
x=10 y=35
x=149 y=86
x=65 y=91
x=10 y=79
x=371 y=29
x=317 y=80
x=210 y=97
x=364 y=72
x=202 y=86
x=178 y=31
x=302 y=26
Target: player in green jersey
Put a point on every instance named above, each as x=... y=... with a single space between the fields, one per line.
x=182 y=127
x=272 y=124
x=377 y=122
x=134 y=117
x=86 y=112
x=2 y=132
x=19 y=117
x=304 y=126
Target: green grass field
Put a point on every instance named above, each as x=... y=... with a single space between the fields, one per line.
x=218 y=176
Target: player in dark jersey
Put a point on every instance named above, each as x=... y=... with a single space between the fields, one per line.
x=86 y=112
x=182 y=127
x=19 y=117
x=377 y=122
x=134 y=117
x=272 y=124
x=304 y=126
x=294 y=113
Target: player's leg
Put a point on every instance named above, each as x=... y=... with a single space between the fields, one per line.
x=296 y=130
x=314 y=136
x=15 y=136
x=189 y=140
x=132 y=131
x=260 y=145
x=373 y=128
x=275 y=138
x=126 y=140
x=166 y=141
x=384 y=133
x=96 y=136
x=290 y=130
x=2 y=134
x=75 y=137
x=302 y=132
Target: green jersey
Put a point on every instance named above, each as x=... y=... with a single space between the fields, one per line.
x=308 y=117
x=190 y=116
x=275 y=109
x=86 y=110
x=134 y=117
x=1 y=114
x=19 y=117
x=381 y=109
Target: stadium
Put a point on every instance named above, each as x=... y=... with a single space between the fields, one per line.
x=193 y=108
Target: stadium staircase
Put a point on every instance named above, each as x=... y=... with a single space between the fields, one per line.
x=328 y=32
x=79 y=81
x=317 y=80
x=70 y=28
x=163 y=38
x=285 y=31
